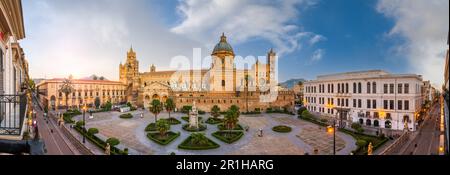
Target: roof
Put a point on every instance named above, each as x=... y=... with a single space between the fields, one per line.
x=223 y=46
x=80 y=81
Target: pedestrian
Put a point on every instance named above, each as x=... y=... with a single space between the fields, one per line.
x=415 y=145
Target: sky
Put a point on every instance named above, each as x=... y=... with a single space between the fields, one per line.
x=311 y=37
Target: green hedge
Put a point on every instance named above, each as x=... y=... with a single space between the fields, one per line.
x=172 y=121
x=237 y=127
x=222 y=135
x=151 y=127
x=169 y=138
x=100 y=143
x=200 y=128
x=67 y=116
x=282 y=129
x=187 y=146
x=309 y=119
x=214 y=121
x=126 y=116
x=376 y=141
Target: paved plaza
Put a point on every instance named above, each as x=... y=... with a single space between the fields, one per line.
x=304 y=138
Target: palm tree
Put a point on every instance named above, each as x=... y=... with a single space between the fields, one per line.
x=170 y=105
x=215 y=111
x=163 y=126
x=232 y=117
x=156 y=107
x=198 y=139
x=66 y=89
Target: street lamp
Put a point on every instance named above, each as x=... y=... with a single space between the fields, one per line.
x=84 y=123
x=332 y=129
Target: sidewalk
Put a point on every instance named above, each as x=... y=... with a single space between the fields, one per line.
x=89 y=145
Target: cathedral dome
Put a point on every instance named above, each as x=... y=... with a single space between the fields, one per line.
x=223 y=46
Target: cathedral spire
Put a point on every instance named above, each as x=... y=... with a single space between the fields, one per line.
x=223 y=38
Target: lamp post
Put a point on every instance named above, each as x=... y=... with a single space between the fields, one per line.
x=332 y=129
x=84 y=123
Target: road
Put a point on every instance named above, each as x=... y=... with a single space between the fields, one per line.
x=54 y=141
x=427 y=140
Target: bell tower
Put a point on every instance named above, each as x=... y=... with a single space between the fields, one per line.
x=129 y=75
x=271 y=66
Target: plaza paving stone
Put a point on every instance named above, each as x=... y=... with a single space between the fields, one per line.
x=303 y=138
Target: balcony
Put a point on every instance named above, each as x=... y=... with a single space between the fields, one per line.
x=12 y=114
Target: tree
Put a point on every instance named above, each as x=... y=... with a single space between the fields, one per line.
x=92 y=131
x=170 y=105
x=97 y=102
x=163 y=126
x=232 y=117
x=113 y=141
x=108 y=106
x=215 y=111
x=66 y=89
x=155 y=108
x=198 y=139
x=32 y=85
x=101 y=78
x=301 y=110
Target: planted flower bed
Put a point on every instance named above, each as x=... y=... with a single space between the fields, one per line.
x=172 y=121
x=237 y=127
x=282 y=129
x=201 y=127
x=214 y=121
x=163 y=140
x=100 y=143
x=228 y=137
x=151 y=127
x=198 y=141
x=126 y=116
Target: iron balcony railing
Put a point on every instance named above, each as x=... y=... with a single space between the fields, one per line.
x=12 y=114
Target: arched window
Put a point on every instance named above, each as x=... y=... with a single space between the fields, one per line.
x=359 y=88
x=223 y=83
x=369 y=122
x=354 y=88
x=361 y=121
x=346 y=88
x=368 y=88
x=388 y=124
x=376 y=123
x=374 y=87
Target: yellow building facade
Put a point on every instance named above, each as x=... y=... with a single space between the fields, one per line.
x=84 y=92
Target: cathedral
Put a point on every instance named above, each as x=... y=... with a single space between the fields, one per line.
x=252 y=89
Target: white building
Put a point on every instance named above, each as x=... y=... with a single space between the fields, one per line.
x=372 y=98
x=13 y=71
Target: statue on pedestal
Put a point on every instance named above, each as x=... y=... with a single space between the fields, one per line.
x=370 y=149
x=107 y=149
x=193 y=117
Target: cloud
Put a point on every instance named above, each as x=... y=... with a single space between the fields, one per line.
x=317 y=55
x=424 y=26
x=316 y=38
x=92 y=37
x=275 y=21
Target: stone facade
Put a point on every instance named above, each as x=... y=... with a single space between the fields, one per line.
x=372 y=98
x=85 y=92
x=222 y=84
